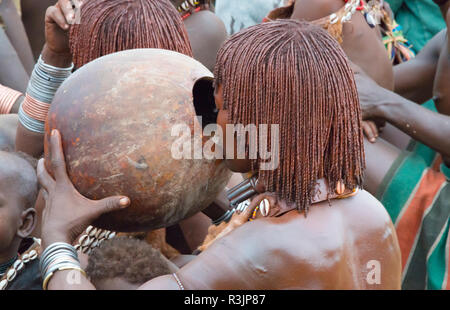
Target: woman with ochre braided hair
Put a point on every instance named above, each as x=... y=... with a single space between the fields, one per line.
x=312 y=225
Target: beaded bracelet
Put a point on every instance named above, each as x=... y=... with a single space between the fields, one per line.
x=8 y=97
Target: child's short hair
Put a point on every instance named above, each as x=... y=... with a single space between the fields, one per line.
x=30 y=186
x=130 y=259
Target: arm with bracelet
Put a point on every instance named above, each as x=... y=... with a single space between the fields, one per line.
x=53 y=67
x=10 y=100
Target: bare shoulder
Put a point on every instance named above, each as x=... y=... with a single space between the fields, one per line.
x=312 y=10
x=327 y=249
x=365 y=205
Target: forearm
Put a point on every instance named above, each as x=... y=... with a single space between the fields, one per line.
x=414 y=79
x=441 y=86
x=428 y=127
x=56 y=60
x=69 y=280
x=29 y=142
x=48 y=74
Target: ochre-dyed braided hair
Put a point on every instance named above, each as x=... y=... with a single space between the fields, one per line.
x=109 y=26
x=296 y=75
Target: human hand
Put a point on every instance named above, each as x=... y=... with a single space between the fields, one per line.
x=57 y=20
x=371 y=96
x=370 y=130
x=67 y=213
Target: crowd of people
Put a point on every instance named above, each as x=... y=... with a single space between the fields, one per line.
x=359 y=93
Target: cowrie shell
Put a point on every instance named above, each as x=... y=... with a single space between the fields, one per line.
x=85 y=240
x=94 y=244
x=99 y=232
x=185 y=6
x=77 y=247
x=340 y=188
x=93 y=232
x=102 y=235
x=26 y=258
x=347 y=17
x=112 y=235
x=88 y=230
x=334 y=19
x=371 y=20
x=3 y=284
x=264 y=207
x=11 y=274
x=33 y=254
x=18 y=265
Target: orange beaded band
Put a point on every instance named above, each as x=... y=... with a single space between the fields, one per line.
x=8 y=97
x=35 y=108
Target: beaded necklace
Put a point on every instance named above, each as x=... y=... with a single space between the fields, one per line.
x=4 y=267
x=333 y=23
x=92 y=238
x=19 y=263
x=189 y=7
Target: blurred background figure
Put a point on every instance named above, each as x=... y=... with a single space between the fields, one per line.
x=420 y=19
x=240 y=14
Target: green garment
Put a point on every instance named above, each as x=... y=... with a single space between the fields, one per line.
x=420 y=20
x=417 y=197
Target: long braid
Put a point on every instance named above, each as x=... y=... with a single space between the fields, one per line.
x=296 y=75
x=109 y=26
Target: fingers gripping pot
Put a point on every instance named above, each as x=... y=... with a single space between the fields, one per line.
x=115 y=116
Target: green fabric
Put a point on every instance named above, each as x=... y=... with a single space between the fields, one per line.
x=436 y=264
x=400 y=182
x=434 y=226
x=427 y=267
x=420 y=20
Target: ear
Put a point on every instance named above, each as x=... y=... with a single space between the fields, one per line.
x=28 y=218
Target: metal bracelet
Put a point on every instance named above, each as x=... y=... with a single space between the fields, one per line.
x=224 y=218
x=59 y=248
x=30 y=123
x=57 y=256
x=45 y=80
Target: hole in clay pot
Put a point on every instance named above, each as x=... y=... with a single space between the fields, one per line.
x=204 y=104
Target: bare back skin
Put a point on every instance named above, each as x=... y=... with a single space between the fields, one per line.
x=362 y=44
x=332 y=248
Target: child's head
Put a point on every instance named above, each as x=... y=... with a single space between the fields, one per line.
x=125 y=263
x=18 y=192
